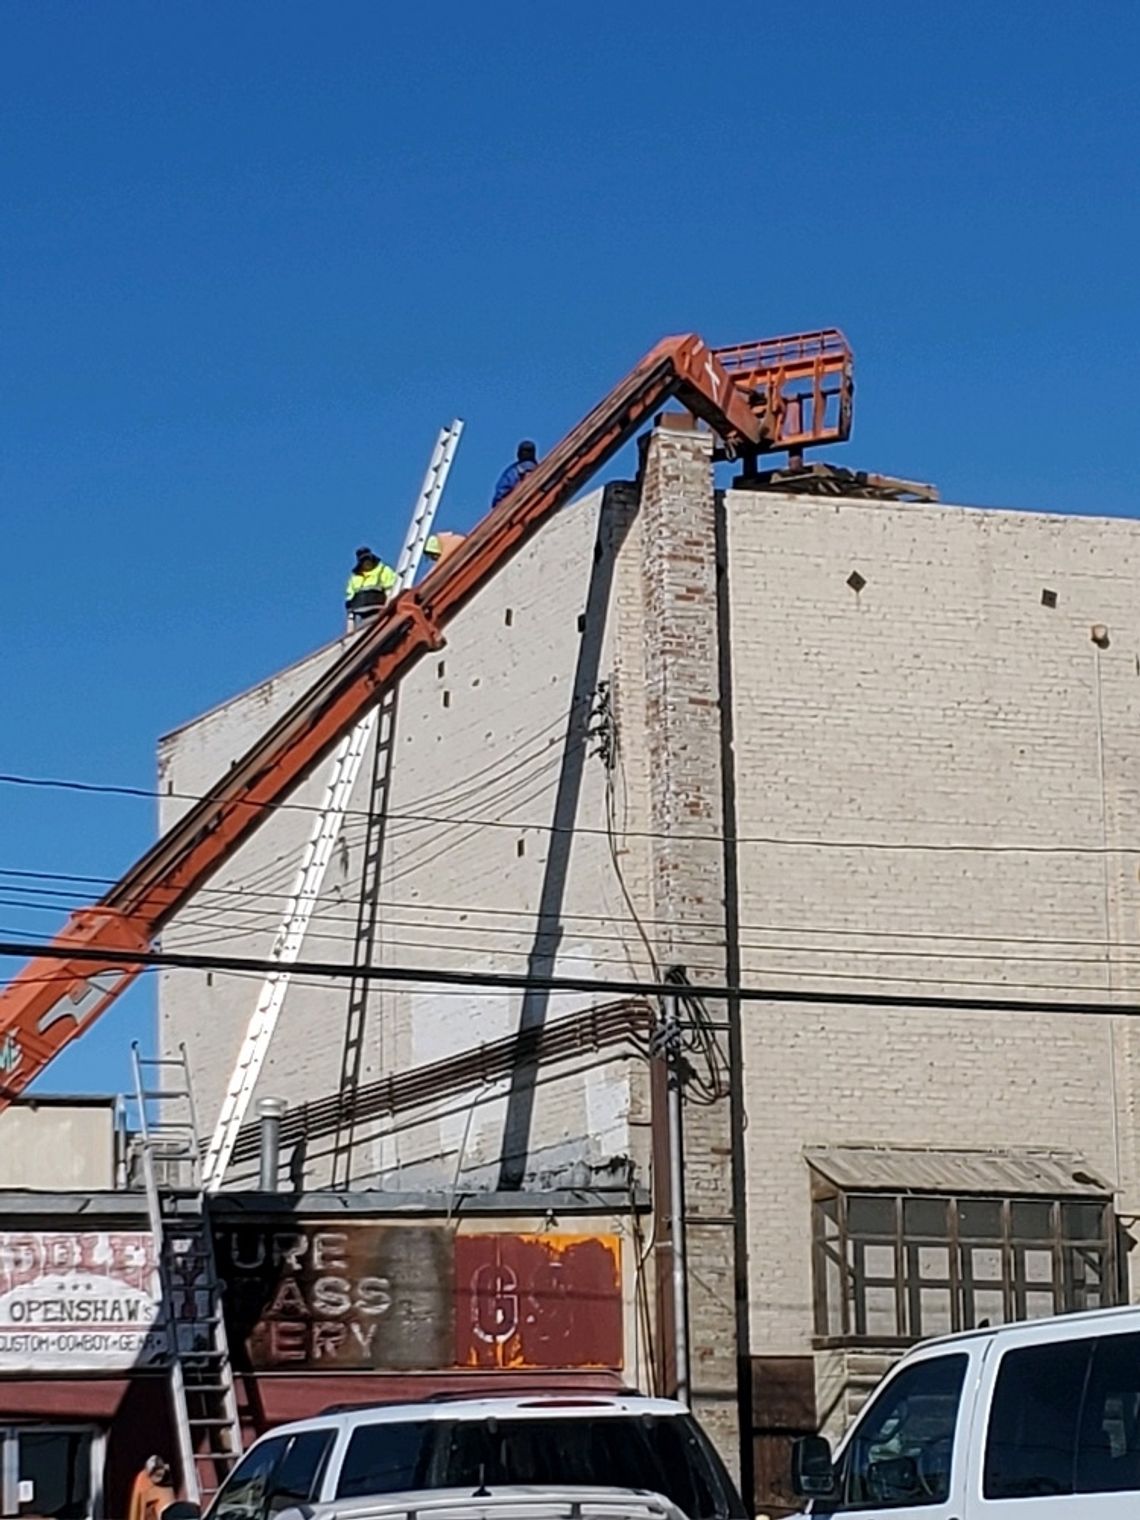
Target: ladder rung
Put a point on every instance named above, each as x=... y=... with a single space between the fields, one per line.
x=221 y=1422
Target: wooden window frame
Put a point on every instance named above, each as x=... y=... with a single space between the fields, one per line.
x=842 y=1255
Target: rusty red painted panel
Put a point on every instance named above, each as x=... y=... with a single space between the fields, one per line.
x=538 y=1301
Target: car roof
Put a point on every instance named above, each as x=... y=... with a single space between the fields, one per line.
x=507 y=1499
x=1051 y=1327
x=567 y=1406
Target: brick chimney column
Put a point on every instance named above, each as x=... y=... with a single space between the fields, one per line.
x=687 y=865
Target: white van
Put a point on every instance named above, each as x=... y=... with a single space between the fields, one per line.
x=1034 y=1421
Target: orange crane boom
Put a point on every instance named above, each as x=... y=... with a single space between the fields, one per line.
x=759 y=398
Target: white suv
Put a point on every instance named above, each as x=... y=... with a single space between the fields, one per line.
x=481 y=1447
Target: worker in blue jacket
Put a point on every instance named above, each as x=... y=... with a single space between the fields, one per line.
x=526 y=460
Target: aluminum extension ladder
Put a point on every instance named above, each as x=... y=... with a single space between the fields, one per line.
x=200 y=1370
x=342 y=776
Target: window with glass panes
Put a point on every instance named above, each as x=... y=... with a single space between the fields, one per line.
x=901 y=1267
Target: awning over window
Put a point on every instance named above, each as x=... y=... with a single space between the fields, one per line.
x=874 y=1169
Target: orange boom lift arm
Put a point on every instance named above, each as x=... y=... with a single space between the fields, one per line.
x=763 y=397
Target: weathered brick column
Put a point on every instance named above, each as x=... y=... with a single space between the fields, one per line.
x=687 y=862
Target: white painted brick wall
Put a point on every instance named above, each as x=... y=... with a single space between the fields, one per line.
x=943 y=703
x=480 y=739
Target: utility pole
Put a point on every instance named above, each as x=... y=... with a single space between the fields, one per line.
x=668 y=1045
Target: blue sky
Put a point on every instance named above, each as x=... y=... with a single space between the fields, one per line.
x=252 y=256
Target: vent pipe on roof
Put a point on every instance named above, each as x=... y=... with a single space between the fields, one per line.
x=270 y=1112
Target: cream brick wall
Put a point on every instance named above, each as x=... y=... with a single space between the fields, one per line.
x=941 y=705
x=470 y=860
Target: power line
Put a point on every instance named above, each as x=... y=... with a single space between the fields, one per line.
x=265 y=921
x=519 y=981
x=775 y=841
x=237 y=899
x=220 y=933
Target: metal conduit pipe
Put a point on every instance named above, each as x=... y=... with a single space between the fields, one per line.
x=270 y=1112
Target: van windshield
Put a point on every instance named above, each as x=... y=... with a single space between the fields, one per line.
x=667 y=1454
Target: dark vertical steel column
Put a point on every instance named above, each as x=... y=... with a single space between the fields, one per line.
x=735 y=1033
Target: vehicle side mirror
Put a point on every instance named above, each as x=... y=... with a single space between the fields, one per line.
x=813 y=1472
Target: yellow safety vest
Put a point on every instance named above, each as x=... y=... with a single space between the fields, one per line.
x=440 y=545
x=379 y=578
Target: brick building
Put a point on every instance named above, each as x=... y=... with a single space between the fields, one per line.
x=784 y=742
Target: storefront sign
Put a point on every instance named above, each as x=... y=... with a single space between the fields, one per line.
x=331 y=1297
x=338 y=1297
x=78 y=1302
x=538 y=1301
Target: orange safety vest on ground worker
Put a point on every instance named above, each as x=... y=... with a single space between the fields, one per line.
x=148 y=1498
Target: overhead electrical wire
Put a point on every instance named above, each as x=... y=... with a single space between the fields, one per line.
x=695 y=836
x=242 y=893
x=264 y=921
x=477 y=980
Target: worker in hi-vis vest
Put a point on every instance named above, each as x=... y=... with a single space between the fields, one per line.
x=368 y=586
x=441 y=545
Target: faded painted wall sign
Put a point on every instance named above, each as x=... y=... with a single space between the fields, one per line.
x=83 y=1301
x=538 y=1301
x=338 y=1297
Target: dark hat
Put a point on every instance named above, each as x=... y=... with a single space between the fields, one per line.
x=365 y=553
x=527 y=449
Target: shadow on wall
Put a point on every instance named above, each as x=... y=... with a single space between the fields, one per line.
x=614 y=521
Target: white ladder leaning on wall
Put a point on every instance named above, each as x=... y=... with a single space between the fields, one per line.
x=343 y=772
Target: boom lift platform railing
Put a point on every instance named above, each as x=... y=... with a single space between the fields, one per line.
x=54 y=999
x=342 y=778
